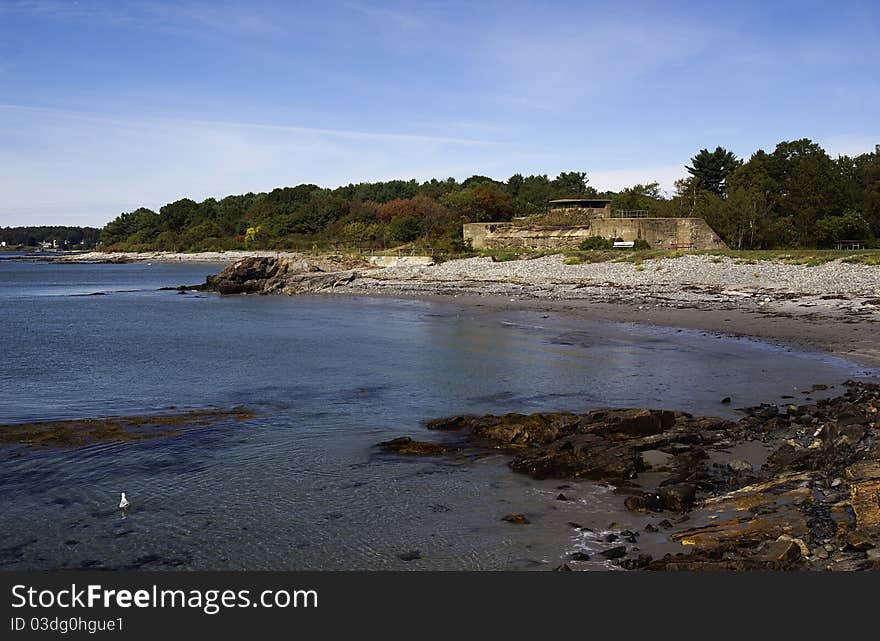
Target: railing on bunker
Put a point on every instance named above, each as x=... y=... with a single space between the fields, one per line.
x=630 y=213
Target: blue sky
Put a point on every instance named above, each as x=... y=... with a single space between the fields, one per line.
x=109 y=105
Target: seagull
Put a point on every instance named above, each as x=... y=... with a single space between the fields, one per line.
x=123 y=502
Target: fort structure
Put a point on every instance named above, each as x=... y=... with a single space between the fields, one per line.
x=594 y=218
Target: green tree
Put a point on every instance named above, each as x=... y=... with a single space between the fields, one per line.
x=571 y=184
x=404 y=229
x=712 y=168
x=849 y=226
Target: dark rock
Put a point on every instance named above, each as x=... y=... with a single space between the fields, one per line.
x=562 y=568
x=579 y=556
x=518 y=519
x=679 y=497
x=643 y=561
x=412 y=555
x=611 y=538
x=615 y=552
x=726 y=400
x=636 y=503
x=651 y=528
x=783 y=550
x=405 y=445
x=561 y=497
x=665 y=524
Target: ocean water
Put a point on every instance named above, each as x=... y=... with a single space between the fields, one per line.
x=302 y=485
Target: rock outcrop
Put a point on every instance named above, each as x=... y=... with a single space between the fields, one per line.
x=260 y=275
x=814 y=504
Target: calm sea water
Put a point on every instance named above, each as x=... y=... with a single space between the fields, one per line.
x=302 y=485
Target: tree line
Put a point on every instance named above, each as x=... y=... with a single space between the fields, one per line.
x=62 y=236
x=794 y=196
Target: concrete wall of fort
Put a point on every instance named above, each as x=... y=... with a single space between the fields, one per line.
x=660 y=233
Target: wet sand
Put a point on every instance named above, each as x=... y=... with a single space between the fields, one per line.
x=856 y=341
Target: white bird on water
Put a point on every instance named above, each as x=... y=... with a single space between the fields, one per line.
x=123 y=502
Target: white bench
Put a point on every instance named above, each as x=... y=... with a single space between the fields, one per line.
x=624 y=244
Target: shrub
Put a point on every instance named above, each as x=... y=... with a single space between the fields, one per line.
x=641 y=244
x=596 y=242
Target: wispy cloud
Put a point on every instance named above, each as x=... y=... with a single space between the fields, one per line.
x=144 y=123
x=56 y=162
x=401 y=20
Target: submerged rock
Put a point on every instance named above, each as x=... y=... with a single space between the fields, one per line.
x=108 y=429
x=405 y=445
x=518 y=519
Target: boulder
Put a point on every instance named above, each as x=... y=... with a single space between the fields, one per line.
x=678 y=497
x=614 y=553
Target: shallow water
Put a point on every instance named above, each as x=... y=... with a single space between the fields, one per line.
x=301 y=486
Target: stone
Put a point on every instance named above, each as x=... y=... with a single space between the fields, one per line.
x=859 y=540
x=726 y=400
x=648 y=502
x=678 y=497
x=561 y=497
x=412 y=555
x=651 y=528
x=636 y=503
x=739 y=466
x=615 y=552
x=518 y=519
x=579 y=556
x=820 y=553
x=784 y=549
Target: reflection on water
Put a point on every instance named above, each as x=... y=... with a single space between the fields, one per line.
x=300 y=486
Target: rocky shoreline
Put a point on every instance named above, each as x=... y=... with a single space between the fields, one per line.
x=814 y=504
